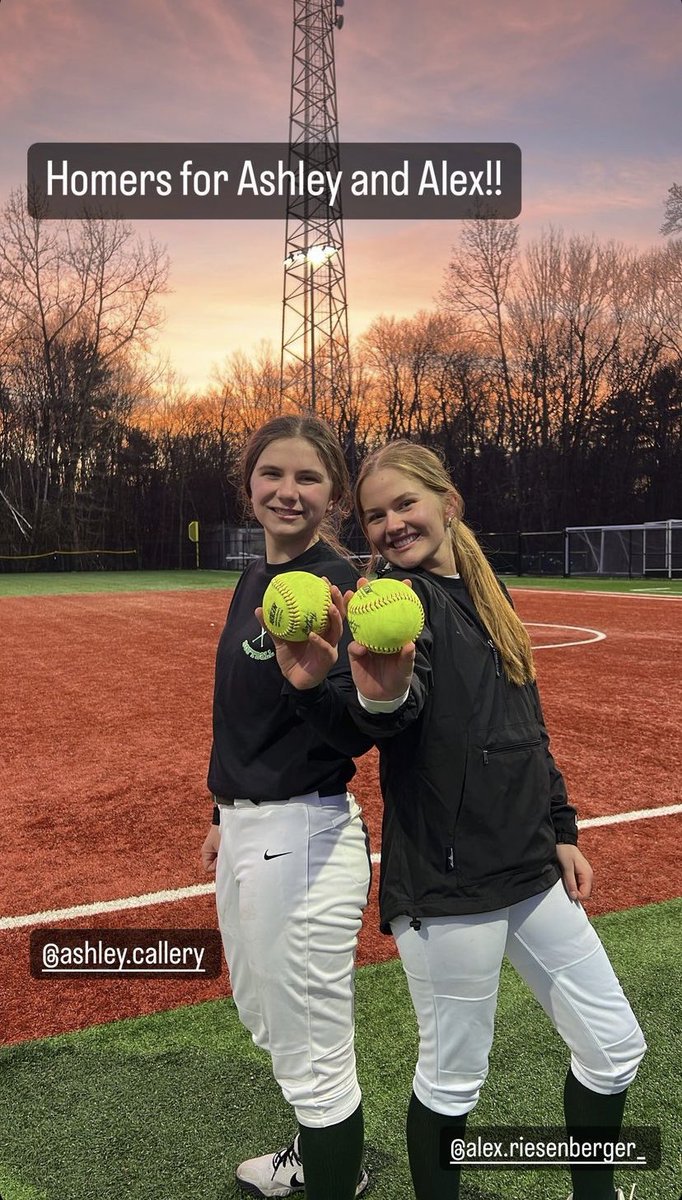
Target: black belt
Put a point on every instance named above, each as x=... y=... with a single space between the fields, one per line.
x=322 y=792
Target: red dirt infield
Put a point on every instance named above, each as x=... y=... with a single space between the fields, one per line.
x=105 y=714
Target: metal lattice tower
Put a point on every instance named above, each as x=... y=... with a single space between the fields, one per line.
x=315 y=355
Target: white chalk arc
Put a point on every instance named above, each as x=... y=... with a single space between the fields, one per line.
x=596 y=635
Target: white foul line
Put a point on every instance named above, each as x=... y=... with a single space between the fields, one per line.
x=640 y=814
x=104 y=906
x=205 y=889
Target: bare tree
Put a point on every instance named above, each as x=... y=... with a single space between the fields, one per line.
x=407 y=363
x=75 y=299
x=478 y=283
x=673 y=211
x=245 y=391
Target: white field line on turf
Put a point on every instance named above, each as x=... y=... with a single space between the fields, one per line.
x=596 y=635
x=205 y=889
x=513 y=587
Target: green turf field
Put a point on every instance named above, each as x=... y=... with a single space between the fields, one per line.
x=56 y=583
x=162 y=1108
x=60 y=583
x=663 y=587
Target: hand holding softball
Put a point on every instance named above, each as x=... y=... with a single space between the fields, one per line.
x=384 y=617
x=296 y=604
x=305 y=664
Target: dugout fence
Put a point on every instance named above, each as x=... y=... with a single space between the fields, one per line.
x=519 y=553
x=231 y=547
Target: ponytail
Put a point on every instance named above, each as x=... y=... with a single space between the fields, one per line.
x=506 y=629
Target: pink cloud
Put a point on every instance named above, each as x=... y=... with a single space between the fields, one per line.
x=220 y=71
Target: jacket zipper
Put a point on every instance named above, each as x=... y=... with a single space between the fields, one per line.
x=496 y=657
x=513 y=746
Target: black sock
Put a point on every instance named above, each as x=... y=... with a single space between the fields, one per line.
x=582 y=1108
x=332 y=1158
x=429 y=1179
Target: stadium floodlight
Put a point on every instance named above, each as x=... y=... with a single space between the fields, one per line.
x=295 y=259
x=315 y=255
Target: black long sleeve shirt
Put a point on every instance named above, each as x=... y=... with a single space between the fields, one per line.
x=263 y=750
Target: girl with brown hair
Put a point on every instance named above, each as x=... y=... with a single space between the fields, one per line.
x=288 y=844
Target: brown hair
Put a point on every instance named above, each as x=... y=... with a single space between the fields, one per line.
x=325 y=443
x=506 y=629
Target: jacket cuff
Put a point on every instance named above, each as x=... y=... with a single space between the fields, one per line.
x=382 y=706
x=566 y=836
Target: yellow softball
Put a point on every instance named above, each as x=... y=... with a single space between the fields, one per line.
x=385 y=615
x=295 y=604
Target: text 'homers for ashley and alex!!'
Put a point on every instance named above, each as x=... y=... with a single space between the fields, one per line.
x=206 y=180
x=436 y=178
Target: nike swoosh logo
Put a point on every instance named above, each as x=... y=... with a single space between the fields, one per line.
x=281 y=854
x=294 y=1182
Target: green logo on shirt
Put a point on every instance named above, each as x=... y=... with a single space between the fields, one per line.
x=260 y=655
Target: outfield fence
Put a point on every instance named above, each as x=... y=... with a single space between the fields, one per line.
x=627 y=551
x=70 y=560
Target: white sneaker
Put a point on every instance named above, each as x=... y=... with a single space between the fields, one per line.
x=280 y=1174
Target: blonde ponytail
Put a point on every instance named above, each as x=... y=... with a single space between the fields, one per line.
x=507 y=631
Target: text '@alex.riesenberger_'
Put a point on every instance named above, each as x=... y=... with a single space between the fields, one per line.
x=551 y=1147
x=143 y=953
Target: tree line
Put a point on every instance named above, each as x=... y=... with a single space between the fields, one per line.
x=549 y=376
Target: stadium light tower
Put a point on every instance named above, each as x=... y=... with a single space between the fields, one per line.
x=315 y=356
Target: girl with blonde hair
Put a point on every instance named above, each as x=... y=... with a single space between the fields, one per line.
x=479 y=853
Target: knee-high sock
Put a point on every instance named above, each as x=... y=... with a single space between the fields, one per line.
x=582 y=1108
x=332 y=1158
x=430 y=1180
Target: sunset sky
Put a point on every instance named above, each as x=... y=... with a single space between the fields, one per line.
x=591 y=92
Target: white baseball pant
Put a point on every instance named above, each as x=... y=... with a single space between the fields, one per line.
x=453 y=969
x=292 y=879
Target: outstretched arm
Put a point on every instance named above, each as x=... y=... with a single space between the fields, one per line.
x=318 y=681
x=306 y=664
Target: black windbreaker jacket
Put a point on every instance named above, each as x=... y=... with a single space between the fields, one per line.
x=474 y=803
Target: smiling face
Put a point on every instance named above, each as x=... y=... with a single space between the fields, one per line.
x=291 y=493
x=406 y=521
